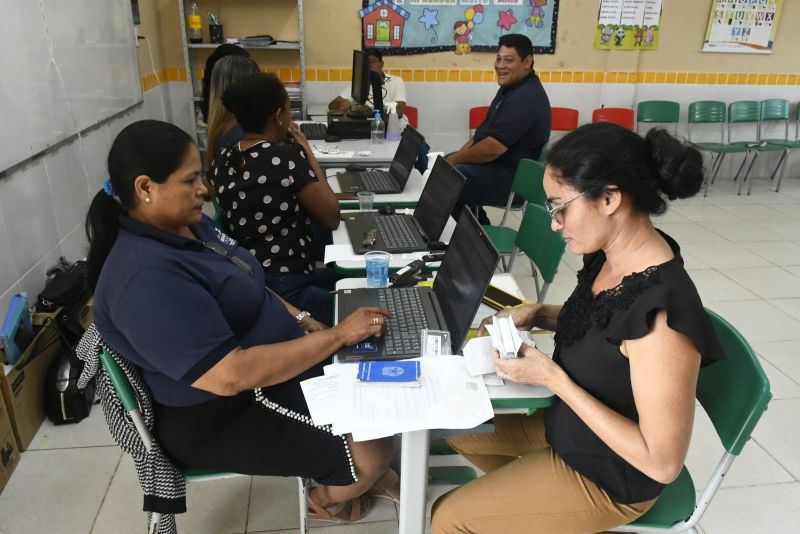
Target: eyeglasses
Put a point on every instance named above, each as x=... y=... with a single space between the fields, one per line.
x=554 y=211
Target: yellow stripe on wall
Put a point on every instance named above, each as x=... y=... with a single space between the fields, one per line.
x=287 y=74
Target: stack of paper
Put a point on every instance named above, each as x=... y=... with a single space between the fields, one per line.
x=504 y=337
x=448 y=397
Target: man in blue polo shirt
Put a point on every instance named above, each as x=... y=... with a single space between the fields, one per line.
x=517 y=126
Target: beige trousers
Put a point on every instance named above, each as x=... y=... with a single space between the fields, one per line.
x=527 y=489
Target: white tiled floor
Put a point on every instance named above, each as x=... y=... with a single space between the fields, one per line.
x=744 y=256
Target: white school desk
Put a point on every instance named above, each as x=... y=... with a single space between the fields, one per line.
x=408 y=198
x=353 y=264
x=354 y=151
x=509 y=398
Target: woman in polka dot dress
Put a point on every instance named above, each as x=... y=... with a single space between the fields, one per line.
x=270 y=189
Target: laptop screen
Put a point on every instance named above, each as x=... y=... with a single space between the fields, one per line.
x=406 y=155
x=465 y=274
x=438 y=198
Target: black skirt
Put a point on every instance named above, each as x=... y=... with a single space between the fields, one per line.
x=266 y=431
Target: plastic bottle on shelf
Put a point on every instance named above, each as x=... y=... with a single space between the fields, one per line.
x=378 y=129
x=195 y=24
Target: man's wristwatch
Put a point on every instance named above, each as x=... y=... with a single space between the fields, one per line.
x=302 y=315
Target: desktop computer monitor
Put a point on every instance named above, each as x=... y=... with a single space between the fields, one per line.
x=359 y=88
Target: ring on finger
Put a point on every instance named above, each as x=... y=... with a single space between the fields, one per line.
x=375 y=321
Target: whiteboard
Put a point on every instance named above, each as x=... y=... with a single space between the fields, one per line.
x=65 y=65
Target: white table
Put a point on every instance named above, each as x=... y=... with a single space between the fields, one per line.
x=347 y=262
x=354 y=151
x=509 y=398
x=408 y=198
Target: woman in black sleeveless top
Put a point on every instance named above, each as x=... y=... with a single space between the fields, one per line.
x=630 y=341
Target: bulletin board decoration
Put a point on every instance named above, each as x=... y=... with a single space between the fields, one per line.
x=404 y=27
x=628 y=25
x=743 y=26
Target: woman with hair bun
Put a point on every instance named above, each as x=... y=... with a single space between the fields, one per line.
x=270 y=189
x=629 y=343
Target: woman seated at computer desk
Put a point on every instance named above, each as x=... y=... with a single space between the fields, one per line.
x=270 y=189
x=222 y=356
x=629 y=344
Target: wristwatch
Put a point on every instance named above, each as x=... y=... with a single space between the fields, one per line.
x=302 y=315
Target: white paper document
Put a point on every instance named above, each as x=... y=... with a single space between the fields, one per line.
x=448 y=398
x=505 y=337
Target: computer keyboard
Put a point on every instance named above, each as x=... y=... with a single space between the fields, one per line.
x=402 y=336
x=314 y=130
x=397 y=231
x=377 y=181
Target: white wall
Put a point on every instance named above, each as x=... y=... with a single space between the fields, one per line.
x=43 y=201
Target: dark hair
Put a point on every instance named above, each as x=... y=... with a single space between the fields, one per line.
x=518 y=42
x=219 y=52
x=603 y=154
x=253 y=99
x=374 y=52
x=152 y=148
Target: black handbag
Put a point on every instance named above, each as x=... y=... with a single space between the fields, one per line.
x=65 y=402
x=64 y=288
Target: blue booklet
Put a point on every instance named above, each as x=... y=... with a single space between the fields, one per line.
x=385 y=373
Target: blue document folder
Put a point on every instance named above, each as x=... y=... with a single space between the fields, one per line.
x=389 y=372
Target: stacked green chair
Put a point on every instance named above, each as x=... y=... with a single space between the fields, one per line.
x=541 y=244
x=713 y=112
x=528 y=185
x=778 y=109
x=750 y=111
x=734 y=393
x=658 y=111
x=130 y=402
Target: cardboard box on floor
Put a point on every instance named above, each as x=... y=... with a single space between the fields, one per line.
x=22 y=384
x=9 y=452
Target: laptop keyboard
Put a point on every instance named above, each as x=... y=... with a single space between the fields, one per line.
x=397 y=231
x=377 y=181
x=402 y=337
x=314 y=130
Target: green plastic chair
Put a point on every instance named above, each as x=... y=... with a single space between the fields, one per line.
x=734 y=393
x=787 y=145
x=658 y=111
x=713 y=112
x=542 y=245
x=528 y=185
x=130 y=402
x=772 y=110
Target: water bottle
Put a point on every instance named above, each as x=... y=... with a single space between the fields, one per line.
x=378 y=129
x=393 y=132
x=195 y=24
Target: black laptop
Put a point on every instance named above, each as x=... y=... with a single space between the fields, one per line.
x=409 y=233
x=450 y=304
x=394 y=180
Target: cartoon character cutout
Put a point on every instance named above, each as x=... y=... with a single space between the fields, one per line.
x=638 y=36
x=461 y=35
x=536 y=18
x=649 y=36
x=605 y=35
x=619 y=36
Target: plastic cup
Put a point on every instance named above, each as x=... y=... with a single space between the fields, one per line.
x=377 y=262
x=365 y=199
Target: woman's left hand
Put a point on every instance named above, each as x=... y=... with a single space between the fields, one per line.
x=534 y=367
x=310 y=325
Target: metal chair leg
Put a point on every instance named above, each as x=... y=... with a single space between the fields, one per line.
x=155 y=519
x=783 y=169
x=744 y=161
x=304 y=486
x=747 y=175
x=716 y=163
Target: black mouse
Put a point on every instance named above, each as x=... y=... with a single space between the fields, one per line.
x=332 y=139
x=354 y=167
x=386 y=210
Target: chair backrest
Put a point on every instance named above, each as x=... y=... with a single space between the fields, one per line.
x=477 y=115
x=563 y=119
x=708 y=112
x=539 y=242
x=660 y=111
x=529 y=180
x=621 y=116
x=745 y=111
x=413 y=115
x=776 y=109
x=734 y=392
